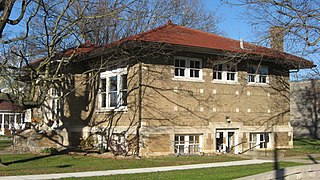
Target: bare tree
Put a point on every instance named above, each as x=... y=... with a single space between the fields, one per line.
x=140 y=16
x=38 y=58
x=299 y=21
x=50 y=28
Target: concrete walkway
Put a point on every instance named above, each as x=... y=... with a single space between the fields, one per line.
x=308 y=158
x=133 y=171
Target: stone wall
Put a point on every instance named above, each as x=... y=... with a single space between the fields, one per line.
x=171 y=106
x=34 y=141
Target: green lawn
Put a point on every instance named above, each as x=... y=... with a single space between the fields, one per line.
x=230 y=172
x=303 y=147
x=21 y=164
x=5 y=143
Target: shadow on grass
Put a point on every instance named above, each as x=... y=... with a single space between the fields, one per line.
x=312 y=159
x=64 y=166
x=34 y=158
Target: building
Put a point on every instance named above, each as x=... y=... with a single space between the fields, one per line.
x=176 y=90
x=11 y=118
x=305 y=108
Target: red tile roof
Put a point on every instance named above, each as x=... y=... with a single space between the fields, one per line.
x=179 y=35
x=82 y=49
x=8 y=106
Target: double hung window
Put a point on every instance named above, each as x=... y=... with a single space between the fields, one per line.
x=187 y=144
x=259 y=140
x=187 y=68
x=258 y=74
x=225 y=73
x=113 y=89
x=55 y=103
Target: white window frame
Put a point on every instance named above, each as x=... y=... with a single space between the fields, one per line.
x=101 y=140
x=105 y=76
x=254 y=77
x=259 y=140
x=225 y=72
x=187 y=69
x=10 y=120
x=183 y=143
x=55 y=104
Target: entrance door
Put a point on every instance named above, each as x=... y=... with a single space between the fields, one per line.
x=230 y=142
x=226 y=140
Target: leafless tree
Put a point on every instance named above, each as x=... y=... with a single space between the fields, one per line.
x=37 y=56
x=299 y=21
x=141 y=16
x=50 y=28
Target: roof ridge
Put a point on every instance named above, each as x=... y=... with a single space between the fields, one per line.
x=214 y=34
x=139 y=35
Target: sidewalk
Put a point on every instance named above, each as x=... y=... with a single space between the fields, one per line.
x=133 y=171
x=308 y=159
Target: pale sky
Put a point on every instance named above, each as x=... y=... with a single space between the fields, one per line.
x=231 y=23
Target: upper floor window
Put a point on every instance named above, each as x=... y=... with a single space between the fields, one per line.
x=187 y=68
x=258 y=74
x=113 y=89
x=225 y=72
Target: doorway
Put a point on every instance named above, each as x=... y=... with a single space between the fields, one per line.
x=227 y=140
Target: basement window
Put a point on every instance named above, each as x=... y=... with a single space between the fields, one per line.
x=259 y=140
x=187 y=144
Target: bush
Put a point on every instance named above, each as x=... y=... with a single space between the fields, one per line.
x=50 y=150
x=87 y=143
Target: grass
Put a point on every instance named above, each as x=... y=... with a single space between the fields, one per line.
x=303 y=147
x=230 y=172
x=22 y=164
x=4 y=144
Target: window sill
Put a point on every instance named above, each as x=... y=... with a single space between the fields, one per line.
x=258 y=84
x=119 y=109
x=224 y=82
x=187 y=79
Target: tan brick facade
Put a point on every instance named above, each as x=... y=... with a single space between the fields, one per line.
x=228 y=116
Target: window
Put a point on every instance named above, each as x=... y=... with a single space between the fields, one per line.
x=113 y=89
x=187 y=68
x=55 y=104
x=225 y=72
x=117 y=143
x=258 y=74
x=101 y=140
x=179 y=67
x=187 y=144
x=53 y=107
x=259 y=140
x=11 y=121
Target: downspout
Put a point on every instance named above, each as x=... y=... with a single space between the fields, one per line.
x=139 y=110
